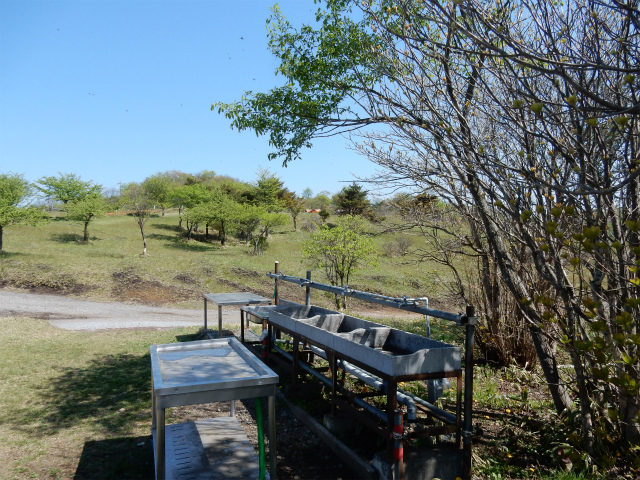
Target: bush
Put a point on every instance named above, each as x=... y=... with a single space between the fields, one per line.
x=397 y=248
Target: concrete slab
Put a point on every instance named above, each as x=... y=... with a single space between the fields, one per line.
x=212 y=449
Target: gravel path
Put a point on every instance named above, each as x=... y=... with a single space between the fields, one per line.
x=74 y=314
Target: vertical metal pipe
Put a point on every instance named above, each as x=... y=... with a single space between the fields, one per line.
x=205 y=315
x=273 y=450
x=160 y=443
x=468 y=391
x=398 y=450
x=275 y=291
x=391 y=389
x=426 y=318
x=242 y=325
x=333 y=364
x=307 y=298
x=296 y=359
x=267 y=347
x=232 y=408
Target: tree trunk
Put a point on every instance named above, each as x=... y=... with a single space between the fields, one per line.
x=144 y=240
x=630 y=409
x=86 y=232
x=515 y=283
x=223 y=233
x=547 y=356
x=0 y=238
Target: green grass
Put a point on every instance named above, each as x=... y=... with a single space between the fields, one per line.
x=54 y=258
x=76 y=404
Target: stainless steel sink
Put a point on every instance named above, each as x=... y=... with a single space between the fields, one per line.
x=388 y=350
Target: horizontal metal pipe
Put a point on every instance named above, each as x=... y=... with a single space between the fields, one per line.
x=372 y=381
x=327 y=381
x=404 y=303
x=435 y=411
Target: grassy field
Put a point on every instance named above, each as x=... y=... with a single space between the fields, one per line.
x=77 y=404
x=177 y=271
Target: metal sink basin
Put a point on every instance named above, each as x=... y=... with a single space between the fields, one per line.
x=388 y=350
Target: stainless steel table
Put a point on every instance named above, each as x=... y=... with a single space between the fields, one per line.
x=239 y=298
x=207 y=371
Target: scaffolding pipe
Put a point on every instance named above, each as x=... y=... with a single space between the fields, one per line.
x=403 y=303
x=404 y=397
x=327 y=381
x=435 y=411
x=372 y=381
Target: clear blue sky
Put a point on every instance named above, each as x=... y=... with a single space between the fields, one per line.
x=117 y=90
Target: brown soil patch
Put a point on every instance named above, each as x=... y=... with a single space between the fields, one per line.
x=131 y=287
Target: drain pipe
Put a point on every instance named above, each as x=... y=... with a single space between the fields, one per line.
x=404 y=397
x=426 y=317
x=373 y=381
x=327 y=381
x=435 y=411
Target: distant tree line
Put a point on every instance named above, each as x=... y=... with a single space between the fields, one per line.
x=217 y=205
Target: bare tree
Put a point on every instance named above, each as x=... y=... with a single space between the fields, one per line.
x=523 y=115
x=136 y=198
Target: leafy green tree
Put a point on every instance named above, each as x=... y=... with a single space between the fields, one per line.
x=67 y=187
x=294 y=205
x=340 y=251
x=247 y=220
x=86 y=210
x=224 y=210
x=14 y=194
x=269 y=191
x=188 y=196
x=352 y=200
x=307 y=193
x=159 y=187
x=270 y=220
x=219 y=213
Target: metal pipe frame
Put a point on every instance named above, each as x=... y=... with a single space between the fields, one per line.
x=468 y=320
x=404 y=303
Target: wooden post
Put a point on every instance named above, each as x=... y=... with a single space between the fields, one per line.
x=307 y=299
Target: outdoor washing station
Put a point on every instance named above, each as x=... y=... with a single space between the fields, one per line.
x=383 y=358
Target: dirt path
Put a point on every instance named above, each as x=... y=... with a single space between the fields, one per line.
x=76 y=314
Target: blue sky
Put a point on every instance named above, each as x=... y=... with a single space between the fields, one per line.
x=117 y=90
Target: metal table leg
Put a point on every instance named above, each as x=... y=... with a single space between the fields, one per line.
x=242 y=325
x=205 y=315
x=219 y=321
x=160 y=443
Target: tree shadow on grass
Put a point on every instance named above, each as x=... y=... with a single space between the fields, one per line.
x=180 y=243
x=116 y=458
x=167 y=226
x=67 y=238
x=112 y=391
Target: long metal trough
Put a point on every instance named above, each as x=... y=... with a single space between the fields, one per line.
x=387 y=350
